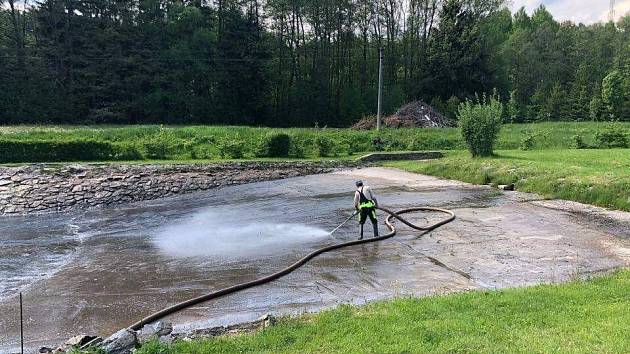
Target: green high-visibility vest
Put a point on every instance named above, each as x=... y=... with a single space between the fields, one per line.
x=369 y=204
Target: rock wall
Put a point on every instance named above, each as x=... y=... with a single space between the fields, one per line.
x=405 y=155
x=47 y=188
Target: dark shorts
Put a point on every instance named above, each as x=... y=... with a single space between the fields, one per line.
x=365 y=212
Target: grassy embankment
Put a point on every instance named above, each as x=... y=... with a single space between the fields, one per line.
x=549 y=168
x=578 y=317
x=599 y=177
x=207 y=143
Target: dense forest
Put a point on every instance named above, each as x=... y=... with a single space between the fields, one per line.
x=300 y=62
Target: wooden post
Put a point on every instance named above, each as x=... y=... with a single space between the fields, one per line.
x=380 y=89
x=21 y=325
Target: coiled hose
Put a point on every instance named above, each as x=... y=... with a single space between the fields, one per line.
x=238 y=287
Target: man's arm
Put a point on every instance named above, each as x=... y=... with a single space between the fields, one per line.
x=356 y=200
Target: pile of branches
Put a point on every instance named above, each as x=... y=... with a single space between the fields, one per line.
x=415 y=114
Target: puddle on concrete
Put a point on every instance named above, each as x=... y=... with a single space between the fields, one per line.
x=93 y=272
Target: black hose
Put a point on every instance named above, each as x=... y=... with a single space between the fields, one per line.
x=235 y=288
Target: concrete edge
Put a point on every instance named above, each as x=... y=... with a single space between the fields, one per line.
x=404 y=155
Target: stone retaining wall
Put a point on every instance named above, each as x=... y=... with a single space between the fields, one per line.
x=47 y=188
x=405 y=155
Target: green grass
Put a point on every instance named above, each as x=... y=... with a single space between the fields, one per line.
x=600 y=177
x=208 y=142
x=578 y=317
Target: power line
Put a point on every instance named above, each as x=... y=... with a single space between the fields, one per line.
x=370 y=49
x=154 y=59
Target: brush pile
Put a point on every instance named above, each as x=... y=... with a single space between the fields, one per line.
x=415 y=114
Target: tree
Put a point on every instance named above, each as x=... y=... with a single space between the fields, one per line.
x=521 y=20
x=613 y=94
x=580 y=94
x=542 y=17
x=297 y=62
x=556 y=108
x=595 y=109
x=456 y=59
x=513 y=109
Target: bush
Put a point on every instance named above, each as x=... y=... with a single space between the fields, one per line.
x=578 y=142
x=527 y=143
x=156 y=149
x=297 y=149
x=13 y=151
x=377 y=144
x=158 y=145
x=612 y=138
x=433 y=142
x=394 y=145
x=358 y=143
x=125 y=152
x=325 y=146
x=202 y=152
x=480 y=123
x=232 y=148
x=274 y=145
x=205 y=139
x=201 y=147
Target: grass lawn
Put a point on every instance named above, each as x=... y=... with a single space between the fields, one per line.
x=579 y=317
x=182 y=143
x=599 y=177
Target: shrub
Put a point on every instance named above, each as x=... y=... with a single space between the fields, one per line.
x=432 y=142
x=613 y=137
x=480 y=123
x=297 y=149
x=125 y=152
x=158 y=145
x=13 y=151
x=204 y=139
x=156 y=149
x=377 y=144
x=358 y=143
x=394 y=145
x=232 y=148
x=325 y=146
x=274 y=145
x=347 y=146
x=202 y=147
x=578 y=142
x=528 y=141
x=203 y=152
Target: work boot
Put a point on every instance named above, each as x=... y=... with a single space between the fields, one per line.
x=375 y=230
x=361 y=235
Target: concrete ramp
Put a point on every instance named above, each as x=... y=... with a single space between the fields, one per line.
x=93 y=272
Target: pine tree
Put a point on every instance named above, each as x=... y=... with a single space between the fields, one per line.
x=579 y=97
x=513 y=109
x=595 y=108
x=555 y=107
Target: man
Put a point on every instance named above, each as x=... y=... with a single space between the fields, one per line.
x=365 y=202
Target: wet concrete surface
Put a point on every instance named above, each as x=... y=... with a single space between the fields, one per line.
x=94 y=272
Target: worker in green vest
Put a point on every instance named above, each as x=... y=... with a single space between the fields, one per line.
x=365 y=202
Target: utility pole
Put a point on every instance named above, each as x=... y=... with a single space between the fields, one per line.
x=380 y=88
x=611 y=13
